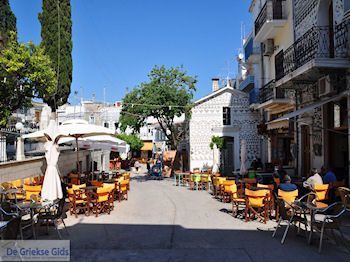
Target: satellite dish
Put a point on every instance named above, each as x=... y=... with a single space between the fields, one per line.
x=240 y=56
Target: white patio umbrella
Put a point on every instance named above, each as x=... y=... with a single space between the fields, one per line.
x=51 y=189
x=77 y=129
x=243 y=169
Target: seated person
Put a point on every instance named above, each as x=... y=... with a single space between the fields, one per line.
x=280 y=173
x=313 y=179
x=287 y=185
x=329 y=177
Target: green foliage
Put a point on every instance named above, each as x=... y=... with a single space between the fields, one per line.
x=167 y=94
x=25 y=73
x=7 y=22
x=218 y=141
x=56 y=34
x=134 y=141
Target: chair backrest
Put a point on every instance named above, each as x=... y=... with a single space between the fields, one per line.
x=102 y=193
x=288 y=197
x=16 y=183
x=228 y=183
x=321 y=191
x=12 y=229
x=196 y=169
x=126 y=176
x=78 y=186
x=344 y=194
x=255 y=198
x=79 y=194
x=109 y=186
x=6 y=185
x=32 y=190
x=204 y=178
x=70 y=193
x=28 y=181
x=123 y=185
x=231 y=188
x=96 y=183
x=277 y=180
x=281 y=203
x=270 y=186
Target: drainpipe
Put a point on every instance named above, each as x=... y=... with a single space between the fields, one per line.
x=348 y=107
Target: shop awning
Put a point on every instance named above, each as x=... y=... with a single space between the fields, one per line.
x=277 y=125
x=308 y=108
x=147 y=146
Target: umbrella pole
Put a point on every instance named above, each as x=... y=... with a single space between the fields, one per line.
x=78 y=164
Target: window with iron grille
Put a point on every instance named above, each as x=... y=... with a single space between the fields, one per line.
x=226 y=115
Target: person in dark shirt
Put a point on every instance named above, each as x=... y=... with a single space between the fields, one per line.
x=280 y=173
x=287 y=185
x=329 y=177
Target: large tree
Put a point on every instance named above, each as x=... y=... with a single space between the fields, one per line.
x=56 y=34
x=7 y=22
x=167 y=94
x=25 y=73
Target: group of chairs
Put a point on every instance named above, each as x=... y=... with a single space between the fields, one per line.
x=265 y=201
x=20 y=208
x=196 y=180
x=22 y=189
x=315 y=211
x=99 y=197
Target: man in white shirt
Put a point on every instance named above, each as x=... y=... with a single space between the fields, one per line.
x=315 y=178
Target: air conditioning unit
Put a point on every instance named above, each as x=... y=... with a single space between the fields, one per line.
x=324 y=86
x=268 y=47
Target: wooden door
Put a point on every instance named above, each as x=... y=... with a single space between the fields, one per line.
x=228 y=157
x=305 y=150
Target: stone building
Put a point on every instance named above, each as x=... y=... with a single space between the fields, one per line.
x=224 y=113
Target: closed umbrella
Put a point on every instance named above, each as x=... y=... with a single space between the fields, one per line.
x=243 y=169
x=51 y=189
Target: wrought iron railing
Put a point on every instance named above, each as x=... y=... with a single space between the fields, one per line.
x=269 y=92
x=272 y=9
x=317 y=42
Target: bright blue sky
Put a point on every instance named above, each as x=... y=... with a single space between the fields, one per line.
x=117 y=42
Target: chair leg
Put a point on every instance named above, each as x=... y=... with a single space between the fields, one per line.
x=56 y=227
x=64 y=224
x=21 y=232
x=278 y=225
x=321 y=239
x=286 y=231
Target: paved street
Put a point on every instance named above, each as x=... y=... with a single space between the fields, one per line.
x=161 y=222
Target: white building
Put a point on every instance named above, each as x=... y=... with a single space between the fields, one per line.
x=225 y=113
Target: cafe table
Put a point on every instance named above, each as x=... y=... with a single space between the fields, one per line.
x=178 y=177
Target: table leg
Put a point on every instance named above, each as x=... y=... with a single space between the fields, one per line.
x=174 y=179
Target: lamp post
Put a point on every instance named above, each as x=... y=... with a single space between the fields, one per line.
x=20 y=142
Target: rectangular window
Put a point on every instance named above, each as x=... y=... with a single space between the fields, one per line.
x=226 y=114
x=106 y=124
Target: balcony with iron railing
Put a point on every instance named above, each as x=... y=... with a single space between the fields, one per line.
x=322 y=43
x=269 y=92
x=247 y=84
x=271 y=16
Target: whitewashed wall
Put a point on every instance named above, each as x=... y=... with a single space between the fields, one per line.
x=207 y=120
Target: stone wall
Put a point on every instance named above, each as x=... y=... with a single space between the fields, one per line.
x=36 y=166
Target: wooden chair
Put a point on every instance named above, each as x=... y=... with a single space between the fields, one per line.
x=270 y=198
x=78 y=201
x=249 y=182
x=28 y=181
x=205 y=182
x=123 y=190
x=321 y=191
x=256 y=204
x=32 y=191
x=226 y=190
x=100 y=201
x=217 y=187
x=96 y=183
x=237 y=200
x=75 y=187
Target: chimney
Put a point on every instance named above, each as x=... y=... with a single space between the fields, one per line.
x=215 y=84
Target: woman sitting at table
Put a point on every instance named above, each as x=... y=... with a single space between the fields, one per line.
x=313 y=179
x=287 y=185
